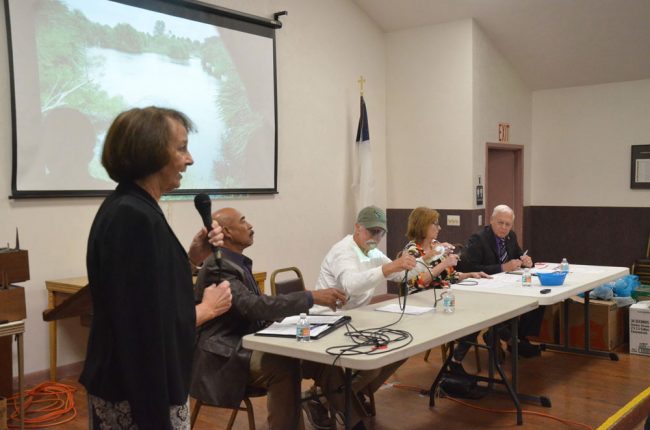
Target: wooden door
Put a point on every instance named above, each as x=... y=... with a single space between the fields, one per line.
x=504 y=181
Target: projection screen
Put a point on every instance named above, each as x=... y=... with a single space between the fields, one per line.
x=76 y=64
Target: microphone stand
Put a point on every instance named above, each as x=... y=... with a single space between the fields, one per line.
x=404 y=291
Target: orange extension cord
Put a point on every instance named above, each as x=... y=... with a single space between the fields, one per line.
x=46 y=405
x=500 y=411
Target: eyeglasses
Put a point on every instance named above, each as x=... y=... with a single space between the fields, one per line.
x=437 y=224
x=376 y=232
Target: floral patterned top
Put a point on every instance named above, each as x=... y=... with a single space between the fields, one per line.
x=443 y=279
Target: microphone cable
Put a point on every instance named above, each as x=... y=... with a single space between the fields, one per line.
x=442 y=395
x=374 y=341
x=435 y=293
x=371 y=341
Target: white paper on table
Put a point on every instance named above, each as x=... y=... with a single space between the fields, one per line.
x=500 y=280
x=585 y=269
x=322 y=310
x=289 y=329
x=409 y=310
x=520 y=272
x=546 y=267
x=313 y=319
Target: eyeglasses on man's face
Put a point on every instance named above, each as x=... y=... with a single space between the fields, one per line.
x=503 y=224
x=376 y=232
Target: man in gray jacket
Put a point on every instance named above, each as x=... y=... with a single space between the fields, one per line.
x=223 y=368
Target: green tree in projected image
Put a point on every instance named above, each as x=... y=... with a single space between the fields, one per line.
x=241 y=122
x=67 y=69
x=64 y=66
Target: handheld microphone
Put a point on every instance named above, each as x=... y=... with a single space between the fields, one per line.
x=203 y=205
x=413 y=250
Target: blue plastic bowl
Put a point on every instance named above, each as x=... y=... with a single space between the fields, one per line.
x=551 y=279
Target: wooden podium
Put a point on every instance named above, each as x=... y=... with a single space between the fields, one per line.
x=66 y=298
x=14 y=267
x=70 y=297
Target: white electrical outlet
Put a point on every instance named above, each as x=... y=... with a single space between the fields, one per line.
x=480 y=220
x=453 y=220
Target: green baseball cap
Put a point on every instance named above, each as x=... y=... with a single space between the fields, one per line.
x=372 y=217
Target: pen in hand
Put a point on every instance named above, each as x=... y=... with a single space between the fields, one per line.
x=522 y=257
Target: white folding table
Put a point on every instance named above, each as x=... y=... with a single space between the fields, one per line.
x=473 y=313
x=580 y=279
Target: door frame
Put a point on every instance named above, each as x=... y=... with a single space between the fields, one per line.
x=518 y=206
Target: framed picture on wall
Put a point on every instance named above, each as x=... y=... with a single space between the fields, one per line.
x=640 y=172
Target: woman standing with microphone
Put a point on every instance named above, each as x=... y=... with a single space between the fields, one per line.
x=139 y=357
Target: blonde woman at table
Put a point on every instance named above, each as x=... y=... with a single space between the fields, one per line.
x=422 y=231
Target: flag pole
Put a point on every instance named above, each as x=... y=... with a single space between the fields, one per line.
x=362 y=182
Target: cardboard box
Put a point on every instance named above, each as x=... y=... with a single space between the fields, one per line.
x=550 y=330
x=607 y=324
x=640 y=328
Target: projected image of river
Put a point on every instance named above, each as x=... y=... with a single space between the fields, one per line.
x=187 y=87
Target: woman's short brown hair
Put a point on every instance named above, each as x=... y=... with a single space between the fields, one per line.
x=136 y=144
x=419 y=221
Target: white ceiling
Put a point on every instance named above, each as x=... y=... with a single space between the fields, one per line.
x=551 y=43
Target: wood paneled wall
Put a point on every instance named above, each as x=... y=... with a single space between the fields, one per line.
x=398 y=220
x=611 y=236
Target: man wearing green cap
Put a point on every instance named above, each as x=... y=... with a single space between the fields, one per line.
x=357 y=267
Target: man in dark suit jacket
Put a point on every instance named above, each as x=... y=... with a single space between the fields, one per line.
x=494 y=249
x=223 y=368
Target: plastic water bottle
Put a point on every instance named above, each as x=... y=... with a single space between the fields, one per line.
x=526 y=278
x=302 y=329
x=448 y=302
x=564 y=265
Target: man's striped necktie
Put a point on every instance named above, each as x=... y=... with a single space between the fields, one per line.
x=503 y=254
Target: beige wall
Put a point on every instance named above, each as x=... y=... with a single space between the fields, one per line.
x=429 y=116
x=499 y=96
x=318 y=99
x=582 y=138
x=447 y=90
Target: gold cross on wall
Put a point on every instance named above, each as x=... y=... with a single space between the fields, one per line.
x=361 y=81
